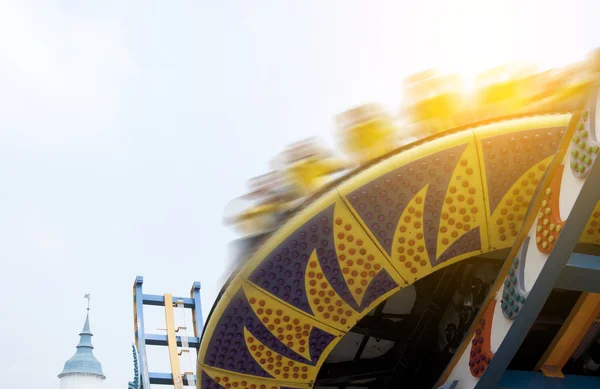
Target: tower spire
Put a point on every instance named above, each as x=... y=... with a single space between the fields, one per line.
x=84 y=362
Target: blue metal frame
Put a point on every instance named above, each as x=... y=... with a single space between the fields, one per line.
x=449 y=385
x=582 y=273
x=197 y=310
x=142 y=339
x=166 y=379
x=161 y=340
x=140 y=334
x=555 y=263
x=512 y=379
x=156 y=300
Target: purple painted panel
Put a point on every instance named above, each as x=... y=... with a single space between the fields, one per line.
x=380 y=202
x=208 y=383
x=507 y=157
x=282 y=272
x=380 y=285
x=227 y=348
x=318 y=341
x=468 y=242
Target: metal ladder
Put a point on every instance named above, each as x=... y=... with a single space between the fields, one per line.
x=171 y=340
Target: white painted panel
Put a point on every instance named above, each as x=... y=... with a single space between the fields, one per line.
x=81 y=382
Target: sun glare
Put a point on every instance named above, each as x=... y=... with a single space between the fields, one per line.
x=468 y=37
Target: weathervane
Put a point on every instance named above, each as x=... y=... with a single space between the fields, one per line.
x=87 y=296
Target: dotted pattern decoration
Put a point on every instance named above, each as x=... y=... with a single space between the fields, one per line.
x=295 y=330
x=481 y=355
x=364 y=269
x=585 y=146
x=380 y=202
x=408 y=251
x=313 y=253
x=470 y=242
x=463 y=207
x=591 y=233
x=549 y=223
x=228 y=348
x=217 y=379
x=328 y=306
x=514 y=293
x=282 y=272
x=507 y=157
x=507 y=219
x=280 y=367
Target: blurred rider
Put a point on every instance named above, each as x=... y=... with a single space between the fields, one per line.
x=432 y=101
x=305 y=168
x=258 y=211
x=366 y=132
x=504 y=90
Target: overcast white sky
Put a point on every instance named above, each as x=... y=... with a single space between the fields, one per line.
x=126 y=126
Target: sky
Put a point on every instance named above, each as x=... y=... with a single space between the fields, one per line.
x=127 y=126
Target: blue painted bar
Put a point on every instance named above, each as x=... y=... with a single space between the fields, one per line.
x=166 y=379
x=582 y=273
x=449 y=385
x=512 y=379
x=140 y=334
x=156 y=300
x=197 y=310
x=555 y=263
x=161 y=340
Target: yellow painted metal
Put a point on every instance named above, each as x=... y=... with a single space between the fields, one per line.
x=408 y=248
x=229 y=380
x=507 y=218
x=591 y=233
x=360 y=267
x=516 y=245
x=286 y=230
x=464 y=198
x=464 y=206
x=288 y=325
x=172 y=342
x=360 y=262
x=278 y=366
x=220 y=306
x=583 y=314
x=359 y=257
x=327 y=305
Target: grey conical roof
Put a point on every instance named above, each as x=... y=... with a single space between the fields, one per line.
x=84 y=361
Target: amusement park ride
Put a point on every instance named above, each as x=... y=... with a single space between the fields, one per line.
x=461 y=252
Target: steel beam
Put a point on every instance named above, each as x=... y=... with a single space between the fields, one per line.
x=555 y=263
x=140 y=334
x=513 y=379
x=376 y=327
x=166 y=379
x=172 y=344
x=344 y=372
x=156 y=300
x=161 y=340
x=449 y=385
x=197 y=310
x=570 y=335
x=582 y=273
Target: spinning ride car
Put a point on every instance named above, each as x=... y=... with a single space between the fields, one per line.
x=433 y=101
x=365 y=132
